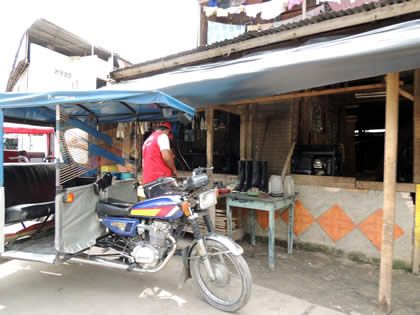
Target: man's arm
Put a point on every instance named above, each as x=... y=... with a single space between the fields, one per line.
x=168 y=158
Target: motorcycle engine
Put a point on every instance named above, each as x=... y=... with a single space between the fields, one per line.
x=150 y=251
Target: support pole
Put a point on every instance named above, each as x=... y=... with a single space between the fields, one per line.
x=416 y=170
x=209 y=125
x=390 y=172
x=243 y=133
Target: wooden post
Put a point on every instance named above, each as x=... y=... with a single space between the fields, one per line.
x=209 y=126
x=250 y=131
x=416 y=170
x=390 y=172
x=243 y=134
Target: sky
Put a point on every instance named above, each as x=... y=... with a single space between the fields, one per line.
x=137 y=30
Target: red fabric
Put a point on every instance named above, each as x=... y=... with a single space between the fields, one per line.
x=153 y=164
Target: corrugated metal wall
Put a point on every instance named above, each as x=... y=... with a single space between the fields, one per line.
x=274 y=118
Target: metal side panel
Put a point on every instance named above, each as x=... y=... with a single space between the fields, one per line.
x=2 y=216
x=77 y=224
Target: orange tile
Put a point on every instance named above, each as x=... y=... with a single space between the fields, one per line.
x=263 y=218
x=302 y=220
x=336 y=223
x=372 y=228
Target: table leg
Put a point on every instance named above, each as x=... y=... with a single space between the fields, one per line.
x=291 y=223
x=271 y=238
x=252 y=213
x=229 y=218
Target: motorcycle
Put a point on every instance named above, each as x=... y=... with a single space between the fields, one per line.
x=145 y=236
x=66 y=212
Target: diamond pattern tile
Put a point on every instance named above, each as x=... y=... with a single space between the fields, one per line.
x=263 y=218
x=303 y=218
x=336 y=223
x=372 y=228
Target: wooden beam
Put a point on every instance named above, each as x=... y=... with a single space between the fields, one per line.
x=209 y=149
x=390 y=174
x=242 y=139
x=221 y=107
x=407 y=95
x=250 y=131
x=370 y=16
x=325 y=181
x=416 y=170
x=416 y=128
x=287 y=161
x=288 y=96
x=400 y=187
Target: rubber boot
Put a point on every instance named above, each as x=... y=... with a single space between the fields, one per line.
x=248 y=176
x=241 y=176
x=264 y=176
x=256 y=174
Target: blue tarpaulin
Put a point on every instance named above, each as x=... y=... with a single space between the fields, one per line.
x=104 y=105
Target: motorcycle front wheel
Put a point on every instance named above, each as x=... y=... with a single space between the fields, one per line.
x=231 y=289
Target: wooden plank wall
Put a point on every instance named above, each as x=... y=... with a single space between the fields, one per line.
x=278 y=134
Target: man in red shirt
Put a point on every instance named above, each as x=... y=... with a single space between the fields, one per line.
x=158 y=159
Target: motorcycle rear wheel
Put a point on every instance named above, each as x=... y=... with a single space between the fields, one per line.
x=232 y=278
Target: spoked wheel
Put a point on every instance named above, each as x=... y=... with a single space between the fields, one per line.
x=231 y=289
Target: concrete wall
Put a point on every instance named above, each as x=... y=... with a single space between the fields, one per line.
x=347 y=219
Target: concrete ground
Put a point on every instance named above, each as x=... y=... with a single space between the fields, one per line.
x=304 y=283
x=34 y=288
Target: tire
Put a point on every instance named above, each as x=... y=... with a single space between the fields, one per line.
x=225 y=280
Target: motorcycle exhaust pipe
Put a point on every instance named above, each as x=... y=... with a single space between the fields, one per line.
x=97 y=261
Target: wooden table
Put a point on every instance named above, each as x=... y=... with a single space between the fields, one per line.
x=270 y=204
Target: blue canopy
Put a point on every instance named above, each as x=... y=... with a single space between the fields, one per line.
x=104 y=105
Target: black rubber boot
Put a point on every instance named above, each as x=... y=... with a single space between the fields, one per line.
x=248 y=176
x=256 y=174
x=264 y=176
x=241 y=176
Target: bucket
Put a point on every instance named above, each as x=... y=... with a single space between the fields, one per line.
x=126 y=175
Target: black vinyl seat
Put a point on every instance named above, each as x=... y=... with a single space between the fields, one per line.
x=113 y=208
x=26 y=212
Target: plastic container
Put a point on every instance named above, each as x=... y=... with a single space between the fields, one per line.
x=275 y=185
x=126 y=175
x=289 y=185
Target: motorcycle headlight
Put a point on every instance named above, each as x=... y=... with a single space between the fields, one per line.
x=207 y=199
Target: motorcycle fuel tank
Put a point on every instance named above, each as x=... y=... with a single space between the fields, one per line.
x=164 y=207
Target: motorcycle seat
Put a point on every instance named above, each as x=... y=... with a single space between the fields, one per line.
x=113 y=208
x=29 y=211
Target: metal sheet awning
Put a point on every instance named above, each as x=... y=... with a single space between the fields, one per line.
x=390 y=49
x=104 y=105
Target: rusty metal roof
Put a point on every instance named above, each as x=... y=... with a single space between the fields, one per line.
x=254 y=34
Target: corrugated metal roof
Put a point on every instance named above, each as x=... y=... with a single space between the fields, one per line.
x=250 y=35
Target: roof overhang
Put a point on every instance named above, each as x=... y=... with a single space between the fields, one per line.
x=389 y=49
x=303 y=29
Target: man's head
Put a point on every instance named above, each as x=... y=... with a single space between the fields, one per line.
x=165 y=127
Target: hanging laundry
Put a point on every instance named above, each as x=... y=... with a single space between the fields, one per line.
x=236 y=3
x=292 y=3
x=224 y=4
x=217 y=32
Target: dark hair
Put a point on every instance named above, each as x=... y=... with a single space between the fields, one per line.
x=162 y=128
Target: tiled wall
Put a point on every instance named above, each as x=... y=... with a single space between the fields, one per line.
x=345 y=219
